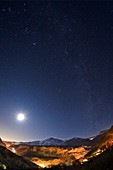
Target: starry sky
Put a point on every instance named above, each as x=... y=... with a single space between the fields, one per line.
x=56 y=66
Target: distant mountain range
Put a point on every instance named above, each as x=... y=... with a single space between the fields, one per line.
x=74 y=142
x=47 y=142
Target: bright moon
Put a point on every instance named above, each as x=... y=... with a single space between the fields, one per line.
x=20 y=117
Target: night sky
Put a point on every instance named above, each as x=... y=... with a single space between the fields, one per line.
x=56 y=66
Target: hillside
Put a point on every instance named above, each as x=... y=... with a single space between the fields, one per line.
x=11 y=160
x=2 y=143
x=104 y=141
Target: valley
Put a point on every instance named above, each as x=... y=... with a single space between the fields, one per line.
x=47 y=156
x=56 y=154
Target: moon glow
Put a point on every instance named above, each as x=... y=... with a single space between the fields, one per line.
x=20 y=117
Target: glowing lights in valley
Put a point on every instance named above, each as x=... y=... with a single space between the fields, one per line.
x=42 y=165
x=13 y=150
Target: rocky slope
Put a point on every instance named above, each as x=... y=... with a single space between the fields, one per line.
x=105 y=140
x=13 y=161
x=2 y=143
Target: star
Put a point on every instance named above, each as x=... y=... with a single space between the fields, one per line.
x=34 y=43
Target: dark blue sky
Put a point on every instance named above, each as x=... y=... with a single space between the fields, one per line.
x=56 y=66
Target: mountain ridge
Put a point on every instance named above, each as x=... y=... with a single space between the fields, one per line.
x=9 y=159
x=53 y=141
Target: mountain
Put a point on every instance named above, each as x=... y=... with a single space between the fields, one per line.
x=9 y=160
x=74 y=142
x=2 y=143
x=52 y=141
x=91 y=141
x=77 y=142
x=32 y=143
x=106 y=138
x=101 y=142
x=104 y=161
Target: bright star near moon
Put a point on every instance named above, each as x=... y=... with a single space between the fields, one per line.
x=20 y=117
